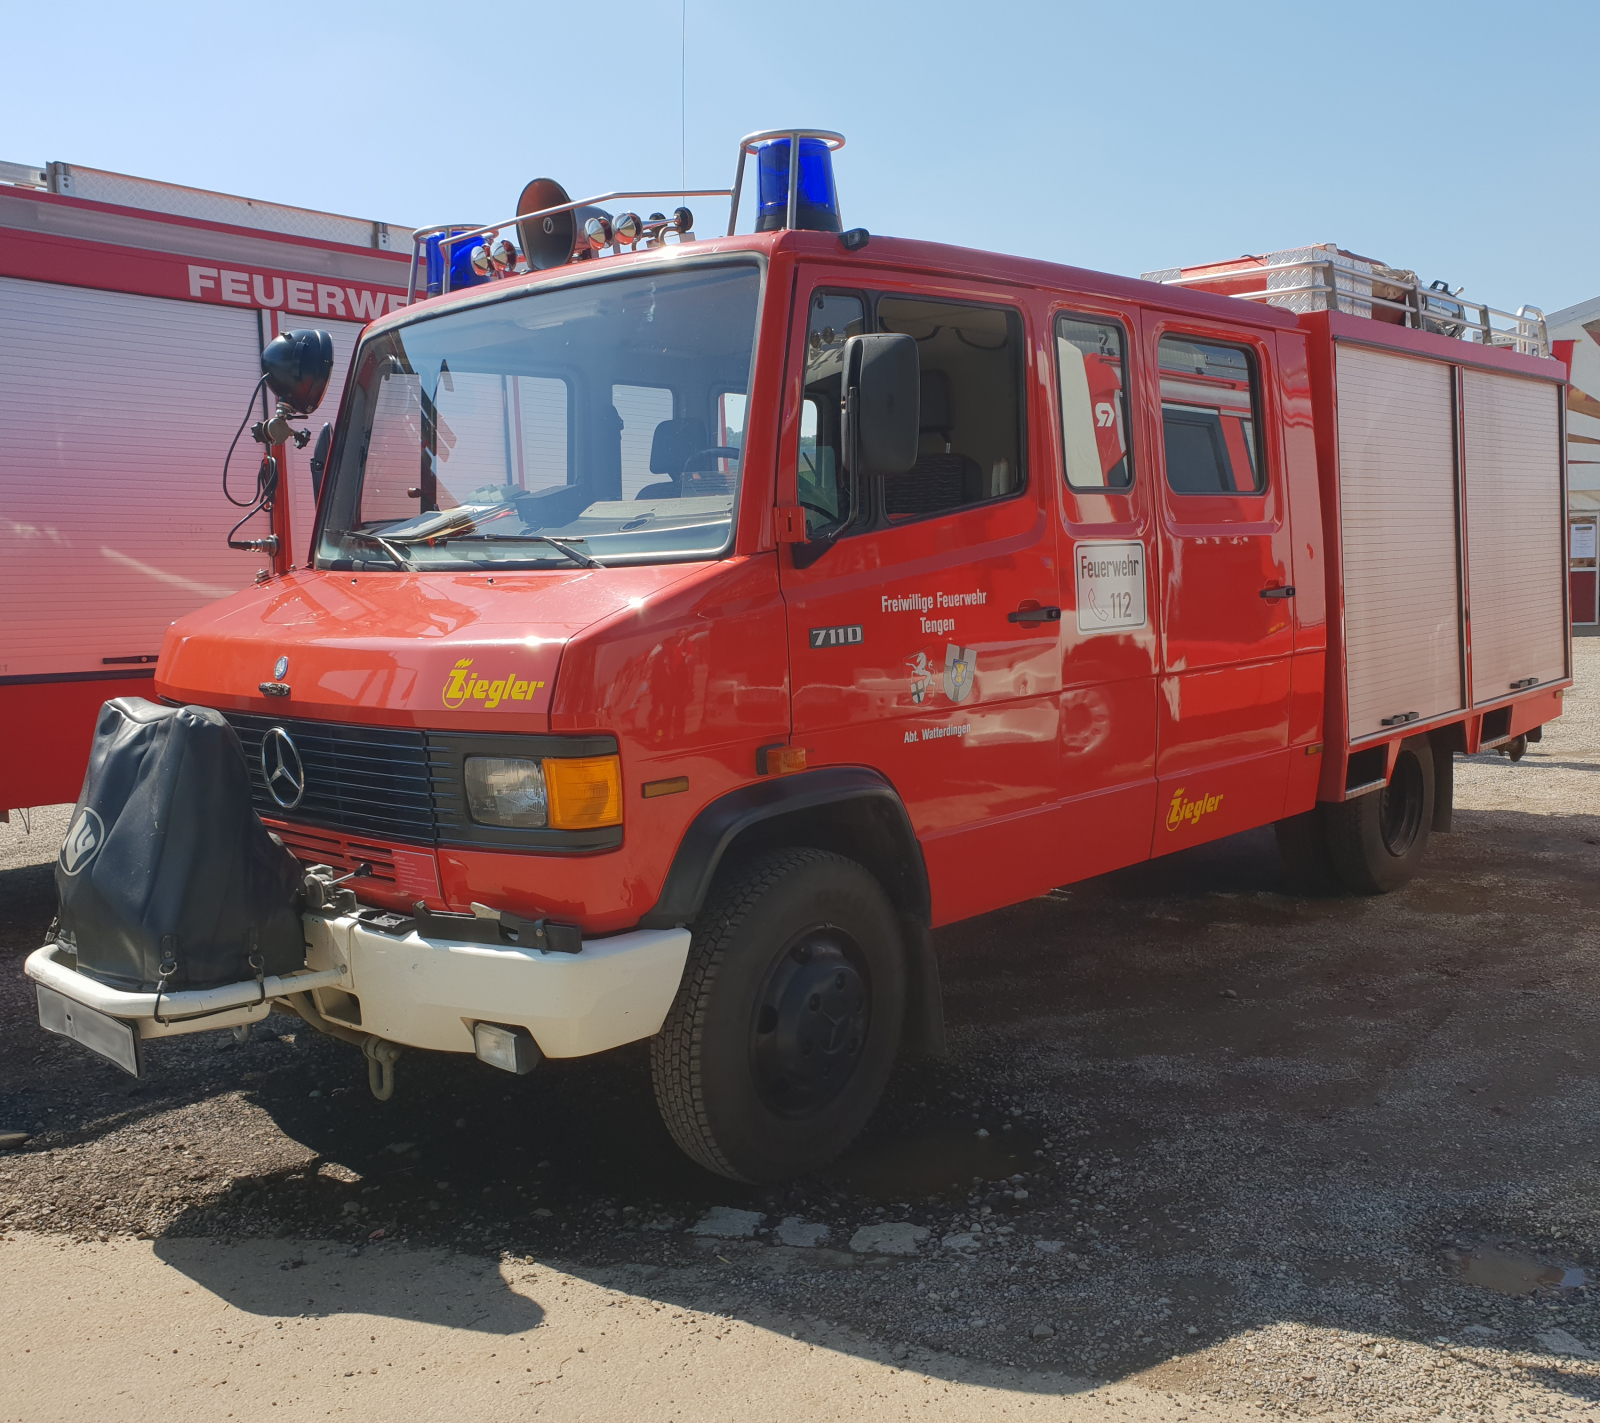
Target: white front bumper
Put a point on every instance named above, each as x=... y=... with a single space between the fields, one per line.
x=426 y=993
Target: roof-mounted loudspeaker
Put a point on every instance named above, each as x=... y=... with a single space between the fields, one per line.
x=548 y=241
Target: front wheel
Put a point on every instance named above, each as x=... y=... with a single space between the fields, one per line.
x=784 y=1030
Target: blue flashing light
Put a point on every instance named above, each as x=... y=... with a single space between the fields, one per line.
x=461 y=271
x=817 y=202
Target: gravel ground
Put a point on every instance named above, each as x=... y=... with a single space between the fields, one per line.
x=1257 y=1152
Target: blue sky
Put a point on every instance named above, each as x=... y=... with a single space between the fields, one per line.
x=1457 y=139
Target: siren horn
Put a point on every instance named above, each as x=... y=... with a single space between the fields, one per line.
x=548 y=242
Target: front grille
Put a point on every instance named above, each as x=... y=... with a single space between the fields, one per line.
x=368 y=780
x=325 y=847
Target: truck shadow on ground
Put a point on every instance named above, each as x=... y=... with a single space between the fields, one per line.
x=311 y=1279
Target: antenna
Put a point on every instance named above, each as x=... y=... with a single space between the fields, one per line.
x=683 y=95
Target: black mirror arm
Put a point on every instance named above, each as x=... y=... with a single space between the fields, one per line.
x=319 y=460
x=851 y=450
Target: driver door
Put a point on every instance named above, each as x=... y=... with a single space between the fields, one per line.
x=925 y=642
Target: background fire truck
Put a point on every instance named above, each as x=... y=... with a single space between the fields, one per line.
x=132 y=315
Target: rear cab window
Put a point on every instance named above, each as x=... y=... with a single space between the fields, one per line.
x=1210 y=417
x=1092 y=376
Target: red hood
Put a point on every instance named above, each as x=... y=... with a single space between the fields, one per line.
x=460 y=651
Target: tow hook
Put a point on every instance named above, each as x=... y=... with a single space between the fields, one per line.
x=381 y=1057
x=321 y=887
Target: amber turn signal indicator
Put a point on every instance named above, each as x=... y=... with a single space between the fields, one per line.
x=652 y=789
x=780 y=760
x=585 y=792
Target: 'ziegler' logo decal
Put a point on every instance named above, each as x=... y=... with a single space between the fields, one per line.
x=837 y=637
x=464 y=685
x=1183 y=811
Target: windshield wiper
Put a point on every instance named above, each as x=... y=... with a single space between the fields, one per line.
x=582 y=559
x=362 y=536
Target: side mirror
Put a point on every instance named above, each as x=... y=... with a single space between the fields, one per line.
x=319 y=461
x=297 y=366
x=883 y=402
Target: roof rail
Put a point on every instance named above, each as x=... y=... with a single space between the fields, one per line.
x=450 y=235
x=1327 y=279
x=455 y=233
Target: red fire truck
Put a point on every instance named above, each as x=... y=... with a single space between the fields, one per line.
x=134 y=314
x=692 y=625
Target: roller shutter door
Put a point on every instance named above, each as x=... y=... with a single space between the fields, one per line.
x=115 y=413
x=302 y=507
x=1397 y=503
x=1515 y=527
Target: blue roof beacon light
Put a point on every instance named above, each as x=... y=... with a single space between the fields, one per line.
x=789 y=194
x=462 y=271
x=818 y=205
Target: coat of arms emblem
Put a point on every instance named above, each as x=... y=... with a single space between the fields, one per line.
x=959 y=665
x=921 y=678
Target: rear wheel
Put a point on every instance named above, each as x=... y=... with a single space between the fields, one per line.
x=784 y=1030
x=1376 y=842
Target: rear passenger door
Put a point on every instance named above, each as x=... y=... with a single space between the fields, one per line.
x=1222 y=709
x=924 y=642
x=1108 y=588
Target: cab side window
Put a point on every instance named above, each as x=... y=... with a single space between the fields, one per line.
x=1210 y=417
x=824 y=492
x=1092 y=370
x=970 y=447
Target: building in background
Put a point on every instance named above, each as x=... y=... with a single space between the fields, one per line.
x=1575 y=339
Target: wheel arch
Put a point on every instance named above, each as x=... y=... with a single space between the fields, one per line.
x=851 y=810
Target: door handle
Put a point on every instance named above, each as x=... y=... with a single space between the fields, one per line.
x=1034 y=615
x=1278 y=592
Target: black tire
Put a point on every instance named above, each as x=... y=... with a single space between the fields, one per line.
x=1376 y=842
x=793 y=942
x=1303 y=854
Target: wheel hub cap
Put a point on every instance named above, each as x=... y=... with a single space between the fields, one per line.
x=811 y=1024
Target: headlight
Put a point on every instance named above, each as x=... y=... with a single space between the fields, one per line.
x=563 y=793
x=506 y=791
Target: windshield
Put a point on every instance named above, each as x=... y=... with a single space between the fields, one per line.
x=591 y=423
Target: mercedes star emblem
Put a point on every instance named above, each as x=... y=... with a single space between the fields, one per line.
x=282 y=768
